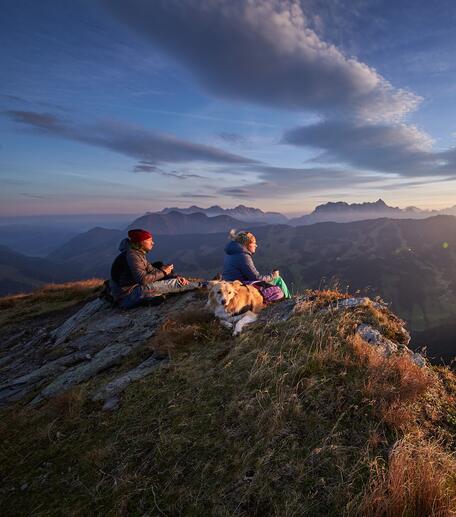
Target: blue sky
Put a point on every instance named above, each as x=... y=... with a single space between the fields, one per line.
x=123 y=107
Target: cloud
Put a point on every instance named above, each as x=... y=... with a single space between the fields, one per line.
x=199 y=196
x=275 y=182
x=233 y=138
x=34 y=196
x=265 y=52
x=393 y=149
x=149 y=147
x=144 y=166
x=43 y=121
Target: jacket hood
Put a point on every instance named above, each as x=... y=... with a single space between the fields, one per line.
x=234 y=248
x=124 y=245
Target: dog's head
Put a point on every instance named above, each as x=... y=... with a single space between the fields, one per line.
x=223 y=292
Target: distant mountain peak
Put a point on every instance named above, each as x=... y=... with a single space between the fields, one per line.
x=342 y=206
x=246 y=214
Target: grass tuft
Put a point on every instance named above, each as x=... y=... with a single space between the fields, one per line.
x=419 y=481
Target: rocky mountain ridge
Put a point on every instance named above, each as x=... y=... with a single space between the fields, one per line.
x=317 y=409
x=177 y=223
x=241 y=212
x=97 y=337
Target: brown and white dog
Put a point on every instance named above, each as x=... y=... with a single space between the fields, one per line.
x=235 y=304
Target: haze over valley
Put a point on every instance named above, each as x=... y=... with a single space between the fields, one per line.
x=406 y=256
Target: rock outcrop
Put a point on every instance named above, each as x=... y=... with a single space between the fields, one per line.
x=94 y=339
x=99 y=337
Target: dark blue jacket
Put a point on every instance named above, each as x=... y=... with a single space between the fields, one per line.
x=238 y=264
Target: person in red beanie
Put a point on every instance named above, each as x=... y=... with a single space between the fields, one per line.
x=134 y=280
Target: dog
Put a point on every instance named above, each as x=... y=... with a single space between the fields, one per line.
x=235 y=304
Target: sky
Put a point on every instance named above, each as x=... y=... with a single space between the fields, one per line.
x=109 y=106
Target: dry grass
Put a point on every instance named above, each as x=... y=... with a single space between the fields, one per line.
x=325 y=297
x=68 y=404
x=419 y=481
x=46 y=299
x=182 y=331
x=392 y=384
x=295 y=418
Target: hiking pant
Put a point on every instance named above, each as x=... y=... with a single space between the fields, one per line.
x=144 y=293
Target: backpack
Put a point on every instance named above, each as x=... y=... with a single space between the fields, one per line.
x=270 y=293
x=119 y=266
x=106 y=293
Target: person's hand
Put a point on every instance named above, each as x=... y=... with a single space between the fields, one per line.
x=182 y=280
x=168 y=269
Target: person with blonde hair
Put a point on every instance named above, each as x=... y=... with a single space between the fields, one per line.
x=238 y=262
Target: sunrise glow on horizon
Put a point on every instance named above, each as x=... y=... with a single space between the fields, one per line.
x=109 y=107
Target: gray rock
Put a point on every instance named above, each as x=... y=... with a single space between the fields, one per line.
x=375 y=338
x=349 y=303
x=418 y=359
x=109 y=356
x=71 y=324
x=283 y=310
x=112 y=404
x=116 y=386
x=108 y=335
x=385 y=346
x=17 y=388
x=113 y=322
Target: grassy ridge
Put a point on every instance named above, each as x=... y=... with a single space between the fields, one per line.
x=50 y=298
x=296 y=418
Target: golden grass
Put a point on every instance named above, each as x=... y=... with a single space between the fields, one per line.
x=295 y=418
x=393 y=383
x=419 y=481
x=180 y=332
x=47 y=299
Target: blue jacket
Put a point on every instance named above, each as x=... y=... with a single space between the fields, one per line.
x=238 y=264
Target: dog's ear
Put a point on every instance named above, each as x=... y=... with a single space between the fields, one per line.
x=237 y=283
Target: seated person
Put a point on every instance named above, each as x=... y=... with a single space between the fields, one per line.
x=238 y=263
x=135 y=280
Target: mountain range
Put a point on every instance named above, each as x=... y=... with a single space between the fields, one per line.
x=177 y=222
x=44 y=235
x=410 y=262
x=19 y=273
x=333 y=211
x=345 y=212
x=243 y=213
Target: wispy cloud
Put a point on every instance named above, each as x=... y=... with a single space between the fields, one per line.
x=34 y=196
x=285 y=182
x=149 y=147
x=199 y=196
x=393 y=149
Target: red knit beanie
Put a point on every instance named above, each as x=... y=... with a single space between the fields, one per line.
x=139 y=235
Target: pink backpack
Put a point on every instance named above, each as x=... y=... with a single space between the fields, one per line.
x=270 y=293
